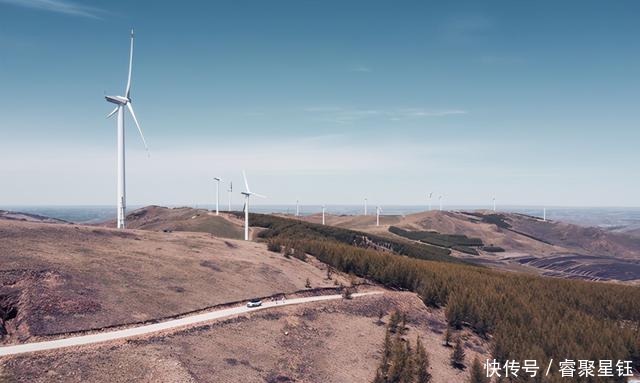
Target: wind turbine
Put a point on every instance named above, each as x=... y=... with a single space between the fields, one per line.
x=122 y=102
x=365 y=206
x=248 y=193
x=430 y=195
x=378 y=211
x=440 y=201
x=217 y=179
x=494 y=203
x=324 y=208
x=297 y=208
x=230 y=190
x=544 y=214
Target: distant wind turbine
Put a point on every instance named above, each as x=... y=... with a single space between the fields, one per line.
x=494 y=203
x=440 y=201
x=365 y=206
x=122 y=102
x=544 y=214
x=217 y=179
x=430 y=195
x=247 y=193
x=230 y=190
x=297 y=208
x=378 y=211
x=323 y=210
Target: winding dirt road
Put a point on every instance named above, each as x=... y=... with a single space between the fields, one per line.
x=162 y=326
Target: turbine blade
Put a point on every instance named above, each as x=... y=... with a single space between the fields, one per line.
x=113 y=112
x=246 y=184
x=128 y=90
x=138 y=125
x=258 y=195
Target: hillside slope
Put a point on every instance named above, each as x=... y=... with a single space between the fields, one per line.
x=64 y=278
x=159 y=218
x=530 y=244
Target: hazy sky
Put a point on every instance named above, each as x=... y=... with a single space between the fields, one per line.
x=536 y=102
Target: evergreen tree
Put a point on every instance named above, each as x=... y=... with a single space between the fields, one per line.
x=447 y=337
x=421 y=362
x=458 y=354
x=394 y=321
x=477 y=374
x=380 y=316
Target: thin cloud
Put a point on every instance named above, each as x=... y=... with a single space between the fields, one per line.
x=58 y=6
x=344 y=115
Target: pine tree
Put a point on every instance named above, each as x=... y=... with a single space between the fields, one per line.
x=421 y=363
x=394 y=321
x=457 y=356
x=380 y=316
x=386 y=354
x=477 y=374
x=447 y=337
x=399 y=359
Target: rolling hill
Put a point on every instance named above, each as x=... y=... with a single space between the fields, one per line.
x=61 y=280
x=530 y=245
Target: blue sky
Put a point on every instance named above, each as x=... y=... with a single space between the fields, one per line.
x=324 y=101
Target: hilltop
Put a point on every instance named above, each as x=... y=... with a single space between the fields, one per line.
x=59 y=280
x=28 y=217
x=160 y=218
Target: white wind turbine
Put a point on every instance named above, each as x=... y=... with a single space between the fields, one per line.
x=378 y=211
x=494 y=203
x=365 y=206
x=430 y=195
x=324 y=208
x=122 y=102
x=248 y=193
x=217 y=179
x=297 y=208
x=230 y=190
x=440 y=202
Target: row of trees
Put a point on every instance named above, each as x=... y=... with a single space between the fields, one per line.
x=525 y=316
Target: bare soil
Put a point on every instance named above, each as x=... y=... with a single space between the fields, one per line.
x=58 y=279
x=338 y=341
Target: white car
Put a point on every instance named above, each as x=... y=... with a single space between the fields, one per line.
x=254 y=303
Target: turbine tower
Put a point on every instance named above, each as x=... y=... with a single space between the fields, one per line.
x=122 y=102
x=430 y=195
x=365 y=206
x=247 y=193
x=378 y=211
x=544 y=214
x=494 y=203
x=230 y=190
x=440 y=201
x=324 y=208
x=217 y=179
x=297 y=208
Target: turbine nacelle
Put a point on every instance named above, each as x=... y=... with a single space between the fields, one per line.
x=119 y=100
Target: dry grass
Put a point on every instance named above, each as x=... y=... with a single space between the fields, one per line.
x=69 y=278
x=326 y=342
